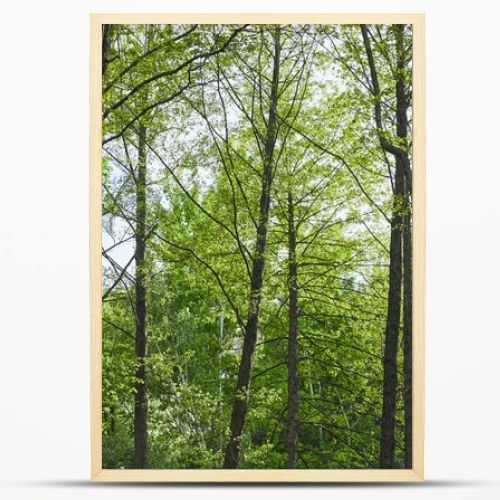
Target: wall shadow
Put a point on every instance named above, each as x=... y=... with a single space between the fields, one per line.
x=429 y=484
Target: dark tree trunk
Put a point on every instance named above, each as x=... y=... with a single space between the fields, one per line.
x=112 y=419
x=240 y=404
x=293 y=348
x=388 y=421
x=106 y=45
x=141 y=402
x=407 y=332
x=402 y=103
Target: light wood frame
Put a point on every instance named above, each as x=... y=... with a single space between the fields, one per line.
x=268 y=475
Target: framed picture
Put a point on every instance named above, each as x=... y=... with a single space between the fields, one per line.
x=257 y=247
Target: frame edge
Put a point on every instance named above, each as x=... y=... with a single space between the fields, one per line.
x=95 y=291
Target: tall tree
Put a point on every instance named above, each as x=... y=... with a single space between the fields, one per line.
x=240 y=403
x=402 y=162
x=141 y=399
x=403 y=102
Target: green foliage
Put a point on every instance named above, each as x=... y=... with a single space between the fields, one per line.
x=206 y=143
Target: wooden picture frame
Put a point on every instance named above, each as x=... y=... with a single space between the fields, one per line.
x=419 y=248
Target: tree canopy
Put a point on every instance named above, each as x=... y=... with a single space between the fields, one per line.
x=257 y=246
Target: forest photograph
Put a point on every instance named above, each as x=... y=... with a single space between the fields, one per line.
x=257 y=246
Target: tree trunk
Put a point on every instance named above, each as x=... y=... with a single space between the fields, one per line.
x=106 y=45
x=240 y=404
x=219 y=403
x=388 y=422
x=293 y=348
x=141 y=402
x=407 y=333
x=402 y=197
x=402 y=104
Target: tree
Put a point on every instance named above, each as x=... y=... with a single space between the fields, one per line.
x=257 y=273
x=293 y=348
x=141 y=400
x=387 y=442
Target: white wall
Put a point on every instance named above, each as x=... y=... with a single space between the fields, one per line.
x=44 y=444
